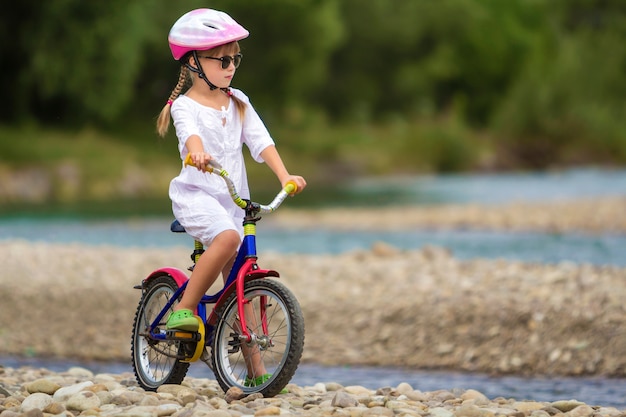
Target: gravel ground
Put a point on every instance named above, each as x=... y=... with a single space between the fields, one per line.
x=598 y=215
x=384 y=306
x=33 y=392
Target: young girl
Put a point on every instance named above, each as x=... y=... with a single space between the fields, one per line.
x=212 y=122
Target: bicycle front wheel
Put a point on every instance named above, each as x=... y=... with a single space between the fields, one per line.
x=156 y=362
x=267 y=363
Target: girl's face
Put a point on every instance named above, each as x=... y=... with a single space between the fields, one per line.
x=219 y=64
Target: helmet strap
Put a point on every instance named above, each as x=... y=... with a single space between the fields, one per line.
x=202 y=75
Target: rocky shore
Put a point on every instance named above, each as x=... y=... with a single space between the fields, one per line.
x=38 y=392
x=591 y=215
x=421 y=309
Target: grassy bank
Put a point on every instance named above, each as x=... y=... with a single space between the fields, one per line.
x=86 y=166
x=77 y=169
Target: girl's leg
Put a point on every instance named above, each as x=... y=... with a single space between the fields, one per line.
x=219 y=257
x=228 y=267
x=214 y=259
x=254 y=361
x=209 y=266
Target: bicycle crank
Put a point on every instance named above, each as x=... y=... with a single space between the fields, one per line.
x=192 y=343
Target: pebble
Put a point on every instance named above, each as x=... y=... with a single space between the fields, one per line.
x=82 y=394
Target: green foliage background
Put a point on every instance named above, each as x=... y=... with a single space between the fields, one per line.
x=356 y=87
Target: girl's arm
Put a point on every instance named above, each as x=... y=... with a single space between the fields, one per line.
x=196 y=150
x=273 y=160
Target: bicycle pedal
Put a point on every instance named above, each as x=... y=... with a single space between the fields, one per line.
x=182 y=335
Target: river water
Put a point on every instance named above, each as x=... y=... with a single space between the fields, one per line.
x=486 y=189
x=464 y=244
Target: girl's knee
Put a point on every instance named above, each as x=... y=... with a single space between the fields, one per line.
x=228 y=239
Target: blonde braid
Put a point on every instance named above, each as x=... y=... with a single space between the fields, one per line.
x=163 y=121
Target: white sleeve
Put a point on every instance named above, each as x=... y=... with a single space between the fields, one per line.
x=184 y=122
x=255 y=134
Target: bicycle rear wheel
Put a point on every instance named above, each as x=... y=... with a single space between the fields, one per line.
x=155 y=361
x=268 y=362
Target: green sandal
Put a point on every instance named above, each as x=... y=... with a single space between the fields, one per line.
x=259 y=380
x=182 y=319
x=255 y=382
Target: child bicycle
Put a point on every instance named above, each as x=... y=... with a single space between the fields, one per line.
x=255 y=323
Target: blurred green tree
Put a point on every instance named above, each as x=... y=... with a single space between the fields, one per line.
x=544 y=77
x=568 y=100
x=424 y=58
x=75 y=61
x=71 y=60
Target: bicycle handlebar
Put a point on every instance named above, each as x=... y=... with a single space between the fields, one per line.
x=215 y=167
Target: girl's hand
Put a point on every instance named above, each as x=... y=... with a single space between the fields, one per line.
x=200 y=160
x=296 y=179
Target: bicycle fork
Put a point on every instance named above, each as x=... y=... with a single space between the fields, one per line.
x=246 y=336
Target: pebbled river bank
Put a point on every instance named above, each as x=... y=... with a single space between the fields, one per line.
x=378 y=307
x=38 y=392
x=383 y=306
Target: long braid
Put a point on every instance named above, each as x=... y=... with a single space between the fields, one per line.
x=241 y=106
x=163 y=121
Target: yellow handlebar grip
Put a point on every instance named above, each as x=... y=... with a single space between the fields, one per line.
x=291 y=187
x=188 y=160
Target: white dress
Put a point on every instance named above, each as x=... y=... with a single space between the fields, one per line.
x=201 y=201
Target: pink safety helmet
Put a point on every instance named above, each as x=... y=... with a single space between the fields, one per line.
x=203 y=29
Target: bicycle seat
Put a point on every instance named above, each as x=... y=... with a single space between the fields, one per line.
x=176 y=227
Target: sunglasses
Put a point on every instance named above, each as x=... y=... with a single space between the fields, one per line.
x=227 y=59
